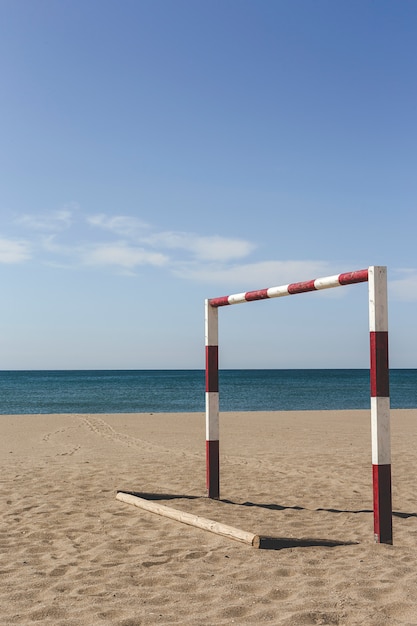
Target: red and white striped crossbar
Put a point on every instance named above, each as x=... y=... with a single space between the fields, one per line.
x=327 y=282
x=378 y=323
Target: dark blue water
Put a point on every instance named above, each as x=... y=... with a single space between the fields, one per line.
x=169 y=391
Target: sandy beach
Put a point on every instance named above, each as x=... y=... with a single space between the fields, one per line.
x=72 y=554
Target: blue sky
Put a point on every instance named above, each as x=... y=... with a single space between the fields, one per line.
x=155 y=153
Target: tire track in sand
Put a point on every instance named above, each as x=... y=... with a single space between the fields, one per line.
x=100 y=427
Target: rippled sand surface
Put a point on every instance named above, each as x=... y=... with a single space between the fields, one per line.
x=71 y=554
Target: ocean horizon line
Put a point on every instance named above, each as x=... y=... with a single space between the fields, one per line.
x=194 y=369
x=184 y=390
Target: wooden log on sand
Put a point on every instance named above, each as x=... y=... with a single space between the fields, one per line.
x=191 y=520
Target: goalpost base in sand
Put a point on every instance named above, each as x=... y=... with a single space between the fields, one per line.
x=191 y=520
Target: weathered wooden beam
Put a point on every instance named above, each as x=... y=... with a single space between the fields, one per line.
x=191 y=520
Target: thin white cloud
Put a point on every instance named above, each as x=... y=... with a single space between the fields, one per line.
x=13 y=251
x=51 y=221
x=122 y=255
x=405 y=287
x=213 y=259
x=118 y=224
x=204 y=248
x=209 y=248
x=57 y=251
x=119 y=255
x=49 y=244
x=255 y=275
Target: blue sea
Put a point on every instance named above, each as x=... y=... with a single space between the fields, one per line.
x=170 y=391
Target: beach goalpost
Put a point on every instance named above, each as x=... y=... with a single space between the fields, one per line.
x=376 y=276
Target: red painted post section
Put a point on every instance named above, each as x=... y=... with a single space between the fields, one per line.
x=260 y=294
x=212 y=368
x=379 y=364
x=381 y=479
x=350 y=278
x=213 y=469
x=303 y=287
x=222 y=301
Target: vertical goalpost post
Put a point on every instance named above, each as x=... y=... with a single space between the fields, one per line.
x=376 y=276
x=380 y=404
